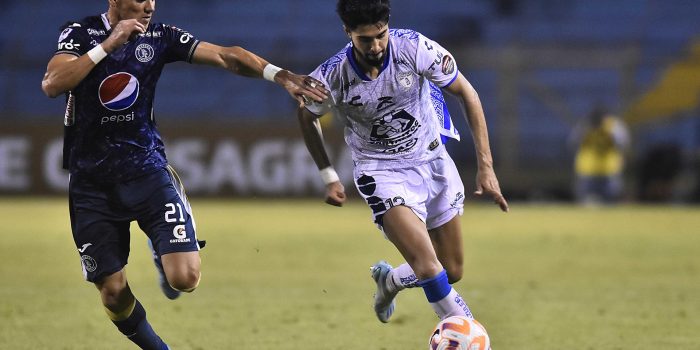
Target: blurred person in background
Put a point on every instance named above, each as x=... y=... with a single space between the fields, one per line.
x=107 y=66
x=600 y=141
x=386 y=86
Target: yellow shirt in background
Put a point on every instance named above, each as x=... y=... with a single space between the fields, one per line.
x=599 y=154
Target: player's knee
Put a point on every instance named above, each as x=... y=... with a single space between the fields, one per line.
x=113 y=295
x=185 y=281
x=110 y=298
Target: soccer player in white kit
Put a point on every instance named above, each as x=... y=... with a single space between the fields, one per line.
x=385 y=85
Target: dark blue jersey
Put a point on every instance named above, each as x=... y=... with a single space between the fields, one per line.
x=111 y=134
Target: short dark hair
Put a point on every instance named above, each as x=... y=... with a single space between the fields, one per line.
x=355 y=13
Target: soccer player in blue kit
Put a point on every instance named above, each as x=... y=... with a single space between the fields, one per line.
x=386 y=87
x=108 y=67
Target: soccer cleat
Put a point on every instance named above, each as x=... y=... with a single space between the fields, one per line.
x=169 y=291
x=383 y=299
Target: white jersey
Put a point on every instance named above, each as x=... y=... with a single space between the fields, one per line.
x=399 y=119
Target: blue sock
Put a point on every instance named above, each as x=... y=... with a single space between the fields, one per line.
x=436 y=288
x=138 y=330
x=444 y=300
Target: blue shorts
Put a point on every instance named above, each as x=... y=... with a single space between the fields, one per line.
x=102 y=213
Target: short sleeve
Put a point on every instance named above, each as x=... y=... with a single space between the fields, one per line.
x=316 y=108
x=180 y=44
x=73 y=40
x=435 y=63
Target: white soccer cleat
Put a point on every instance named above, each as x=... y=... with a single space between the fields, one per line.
x=383 y=299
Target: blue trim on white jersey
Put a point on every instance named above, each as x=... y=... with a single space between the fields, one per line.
x=438 y=99
x=333 y=62
x=451 y=81
x=356 y=67
x=401 y=33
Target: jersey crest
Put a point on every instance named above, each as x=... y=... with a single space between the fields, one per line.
x=144 y=53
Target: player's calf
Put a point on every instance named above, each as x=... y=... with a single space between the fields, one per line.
x=133 y=324
x=454 y=273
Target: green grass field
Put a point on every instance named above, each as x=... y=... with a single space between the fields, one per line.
x=295 y=275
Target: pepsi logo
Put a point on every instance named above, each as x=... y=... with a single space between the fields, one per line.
x=119 y=91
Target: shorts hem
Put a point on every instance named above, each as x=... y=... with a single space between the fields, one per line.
x=445 y=217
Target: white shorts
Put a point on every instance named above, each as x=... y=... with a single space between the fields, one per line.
x=434 y=190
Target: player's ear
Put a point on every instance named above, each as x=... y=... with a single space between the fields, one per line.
x=347 y=31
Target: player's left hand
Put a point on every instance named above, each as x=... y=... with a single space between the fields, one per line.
x=335 y=194
x=302 y=88
x=487 y=184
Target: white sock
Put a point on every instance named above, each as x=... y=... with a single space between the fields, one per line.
x=401 y=277
x=444 y=299
x=451 y=305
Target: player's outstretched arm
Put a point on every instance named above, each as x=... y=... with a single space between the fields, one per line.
x=311 y=130
x=243 y=62
x=65 y=71
x=486 y=181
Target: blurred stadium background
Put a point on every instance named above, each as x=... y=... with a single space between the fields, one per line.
x=542 y=277
x=538 y=65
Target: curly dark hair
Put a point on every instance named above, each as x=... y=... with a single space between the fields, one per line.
x=355 y=13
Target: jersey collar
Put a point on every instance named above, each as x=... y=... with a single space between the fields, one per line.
x=356 y=66
x=105 y=21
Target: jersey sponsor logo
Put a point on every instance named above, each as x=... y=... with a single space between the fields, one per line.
x=70 y=45
x=180 y=234
x=92 y=31
x=185 y=38
x=144 y=53
x=119 y=91
x=448 y=65
x=64 y=34
x=118 y=118
x=438 y=60
x=395 y=131
x=155 y=34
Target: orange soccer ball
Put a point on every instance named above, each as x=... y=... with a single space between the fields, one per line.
x=459 y=333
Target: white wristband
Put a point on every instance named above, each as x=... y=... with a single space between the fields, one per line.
x=97 y=54
x=329 y=175
x=270 y=71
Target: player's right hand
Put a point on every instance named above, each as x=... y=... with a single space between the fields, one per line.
x=302 y=88
x=124 y=31
x=335 y=194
